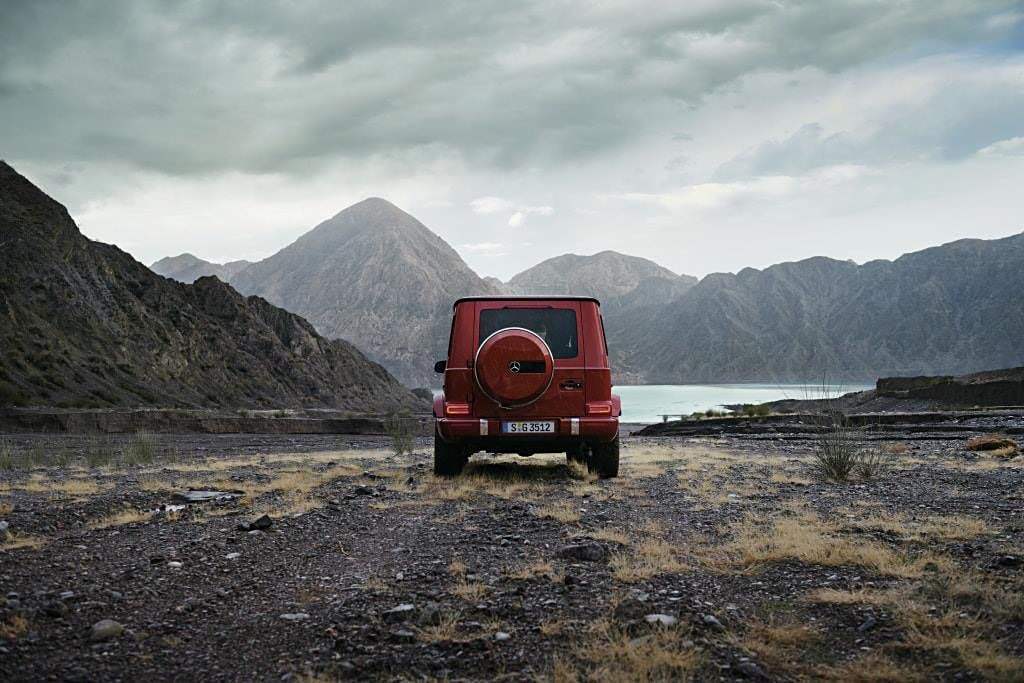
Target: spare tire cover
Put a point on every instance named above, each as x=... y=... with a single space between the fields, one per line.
x=514 y=367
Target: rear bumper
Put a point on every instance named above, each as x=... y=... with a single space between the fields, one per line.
x=485 y=433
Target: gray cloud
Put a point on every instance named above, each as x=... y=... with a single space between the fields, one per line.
x=951 y=124
x=192 y=88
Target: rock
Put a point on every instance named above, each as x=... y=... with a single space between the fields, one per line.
x=232 y=556
x=501 y=635
x=661 y=619
x=261 y=523
x=362 y=490
x=631 y=609
x=1012 y=561
x=712 y=621
x=750 y=670
x=588 y=552
x=174 y=564
x=399 y=613
x=295 y=616
x=205 y=495
x=868 y=624
x=429 y=615
x=403 y=635
x=105 y=629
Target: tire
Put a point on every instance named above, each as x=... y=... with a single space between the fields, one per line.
x=449 y=458
x=604 y=459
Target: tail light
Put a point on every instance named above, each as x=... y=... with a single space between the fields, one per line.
x=456 y=409
x=599 y=408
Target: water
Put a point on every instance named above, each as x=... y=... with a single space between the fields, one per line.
x=647 y=403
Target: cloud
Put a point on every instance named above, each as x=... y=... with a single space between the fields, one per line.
x=951 y=120
x=482 y=247
x=197 y=88
x=1011 y=147
x=519 y=212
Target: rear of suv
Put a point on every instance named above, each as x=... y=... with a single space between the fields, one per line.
x=527 y=374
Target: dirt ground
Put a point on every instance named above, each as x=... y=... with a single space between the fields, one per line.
x=708 y=559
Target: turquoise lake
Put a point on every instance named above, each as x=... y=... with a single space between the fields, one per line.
x=647 y=403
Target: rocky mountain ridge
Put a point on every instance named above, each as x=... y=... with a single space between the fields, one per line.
x=86 y=325
x=943 y=310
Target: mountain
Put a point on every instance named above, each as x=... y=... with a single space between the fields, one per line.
x=188 y=268
x=950 y=309
x=612 y=277
x=377 y=277
x=84 y=324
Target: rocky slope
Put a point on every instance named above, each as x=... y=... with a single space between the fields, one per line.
x=950 y=309
x=84 y=324
x=618 y=280
x=377 y=277
x=188 y=268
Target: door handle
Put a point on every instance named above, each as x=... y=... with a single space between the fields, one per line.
x=571 y=385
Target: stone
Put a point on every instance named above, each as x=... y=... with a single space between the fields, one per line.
x=501 y=635
x=400 y=613
x=205 y=495
x=363 y=490
x=868 y=624
x=174 y=564
x=295 y=616
x=712 y=621
x=587 y=552
x=232 y=556
x=105 y=629
x=661 y=619
x=630 y=609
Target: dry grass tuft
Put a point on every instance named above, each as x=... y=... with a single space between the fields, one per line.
x=457 y=568
x=873 y=667
x=609 y=534
x=808 y=539
x=778 y=645
x=610 y=654
x=446 y=630
x=646 y=559
x=470 y=591
x=119 y=518
x=998 y=445
x=561 y=511
x=539 y=569
x=14 y=627
x=14 y=541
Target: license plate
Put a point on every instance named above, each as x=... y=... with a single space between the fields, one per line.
x=528 y=427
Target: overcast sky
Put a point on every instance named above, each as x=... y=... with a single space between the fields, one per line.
x=706 y=135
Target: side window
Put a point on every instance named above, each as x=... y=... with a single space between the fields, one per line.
x=451 y=336
x=604 y=340
x=556 y=326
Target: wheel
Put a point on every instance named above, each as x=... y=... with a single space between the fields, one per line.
x=604 y=459
x=576 y=455
x=449 y=458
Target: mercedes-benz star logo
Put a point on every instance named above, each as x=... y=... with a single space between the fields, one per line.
x=514 y=367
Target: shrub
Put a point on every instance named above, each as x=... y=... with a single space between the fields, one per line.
x=871 y=465
x=7 y=461
x=836 y=456
x=399 y=427
x=98 y=451
x=140 y=450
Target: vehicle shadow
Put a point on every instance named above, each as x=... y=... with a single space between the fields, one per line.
x=515 y=470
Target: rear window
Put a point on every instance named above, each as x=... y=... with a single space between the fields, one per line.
x=556 y=326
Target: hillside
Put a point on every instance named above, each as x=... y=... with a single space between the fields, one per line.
x=84 y=324
x=612 y=277
x=375 y=276
x=950 y=309
x=188 y=268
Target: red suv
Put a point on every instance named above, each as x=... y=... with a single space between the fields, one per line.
x=527 y=374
